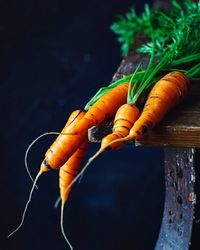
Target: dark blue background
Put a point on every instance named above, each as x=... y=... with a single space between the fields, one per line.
x=54 y=56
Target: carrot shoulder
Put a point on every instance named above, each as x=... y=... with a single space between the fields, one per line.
x=104 y=108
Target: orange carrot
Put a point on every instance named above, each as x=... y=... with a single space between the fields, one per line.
x=125 y=117
x=74 y=117
x=65 y=145
x=70 y=169
x=72 y=136
x=67 y=174
x=165 y=94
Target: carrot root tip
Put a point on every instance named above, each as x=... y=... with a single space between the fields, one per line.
x=62 y=226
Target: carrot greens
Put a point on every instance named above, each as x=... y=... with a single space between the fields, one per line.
x=128 y=26
x=173 y=44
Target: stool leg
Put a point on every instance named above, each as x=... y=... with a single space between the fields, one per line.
x=180 y=199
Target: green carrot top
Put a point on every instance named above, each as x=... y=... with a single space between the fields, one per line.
x=173 y=44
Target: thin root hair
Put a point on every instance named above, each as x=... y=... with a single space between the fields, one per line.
x=26 y=206
x=30 y=146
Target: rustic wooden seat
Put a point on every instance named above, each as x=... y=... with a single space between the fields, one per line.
x=179 y=134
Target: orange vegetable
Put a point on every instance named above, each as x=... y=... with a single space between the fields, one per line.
x=165 y=94
x=70 y=169
x=67 y=174
x=65 y=145
x=125 y=117
x=74 y=117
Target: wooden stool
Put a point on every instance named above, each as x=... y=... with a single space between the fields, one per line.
x=179 y=134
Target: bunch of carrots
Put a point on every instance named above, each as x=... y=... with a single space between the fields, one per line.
x=173 y=49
